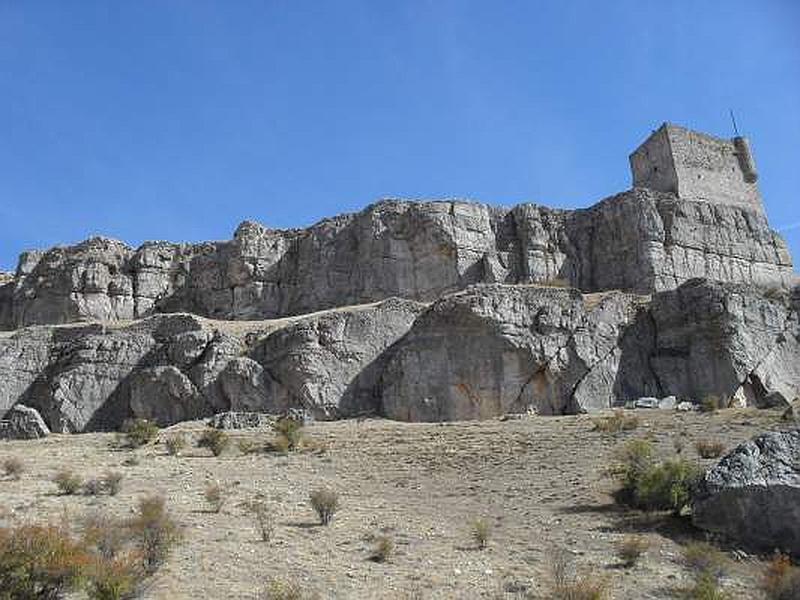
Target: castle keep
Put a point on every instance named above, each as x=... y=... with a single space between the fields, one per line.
x=697 y=166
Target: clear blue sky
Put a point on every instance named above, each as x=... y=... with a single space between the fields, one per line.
x=179 y=119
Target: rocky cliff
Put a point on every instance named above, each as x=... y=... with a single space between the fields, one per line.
x=478 y=353
x=640 y=241
x=421 y=310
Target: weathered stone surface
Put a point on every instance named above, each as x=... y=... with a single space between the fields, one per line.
x=640 y=241
x=240 y=420
x=171 y=368
x=22 y=423
x=753 y=494
x=491 y=350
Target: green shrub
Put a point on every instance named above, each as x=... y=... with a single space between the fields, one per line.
x=13 y=467
x=115 y=579
x=649 y=485
x=289 y=434
x=706 y=587
x=382 y=549
x=68 y=482
x=631 y=549
x=325 y=503
x=175 y=444
x=781 y=579
x=154 y=531
x=40 y=562
x=480 y=530
x=709 y=448
x=617 y=422
x=282 y=589
x=215 y=440
x=139 y=432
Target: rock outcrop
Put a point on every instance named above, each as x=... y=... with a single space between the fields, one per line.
x=477 y=353
x=424 y=310
x=23 y=423
x=639 y=241
x=753 y=494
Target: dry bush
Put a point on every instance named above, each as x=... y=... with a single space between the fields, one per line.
x=93 y=487
x=709 y=448
x=13 y=467
x=68 y=483
x=262 y=516
x=215 y=440
x=703 y=558
x=706 y=587
x=714 y=403
x=288 y=434
x=567 y=584
x=175 y=444
x=781 y=579
x=247 y=446
x=283 y=589
x=40 y=562
x=112 y=482
x=116 y=579
x=631 y=549
x=104 y=535
x=216 y=496
x=619 y=421
x=154 y=531
x=382 y=549
x=139 y=432
x=325 y=503
x=480 y=531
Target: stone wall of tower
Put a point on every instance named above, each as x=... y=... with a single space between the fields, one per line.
x=696 y=166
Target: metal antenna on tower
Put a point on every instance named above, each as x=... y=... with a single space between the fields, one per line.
x=733 y=120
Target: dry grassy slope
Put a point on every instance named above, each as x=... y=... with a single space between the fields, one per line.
x=539 y=480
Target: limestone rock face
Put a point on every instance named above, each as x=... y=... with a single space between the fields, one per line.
x=753 y=494
x=170 y=368
x=23 y=423
x=491 y=350
x=640 y=241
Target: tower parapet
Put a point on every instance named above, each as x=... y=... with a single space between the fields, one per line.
x=698 y=166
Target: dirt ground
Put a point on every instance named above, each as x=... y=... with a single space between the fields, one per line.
x=538 y=481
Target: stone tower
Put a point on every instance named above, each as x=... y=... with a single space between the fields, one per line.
x=697 y=166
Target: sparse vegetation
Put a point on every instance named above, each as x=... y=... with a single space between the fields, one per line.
x=283 y=589
x=382 y=549
x=13 y=467
x=40 y=563
x=480 y=530
x=112 y=482
x=781 y=579
x=714 y=403
x=114 y=579
x=702 y=557
x=216 y=496
x=175 y=444
x=104 y=535
x=154 y=531
x=288 y=434
x=262 y=516
x=325 y=503
x=706 y=587
x=618 y=421
x=631 y=549
x=68 y=483
x=649 y=485
x=139 y=432
x=709 y=448
x=215 y=440
x=247 y=446
x=566 y=583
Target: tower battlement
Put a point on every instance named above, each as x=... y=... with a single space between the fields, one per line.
x=697 y=166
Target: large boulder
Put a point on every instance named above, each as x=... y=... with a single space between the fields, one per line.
x=23 y=423
x=753 y=494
